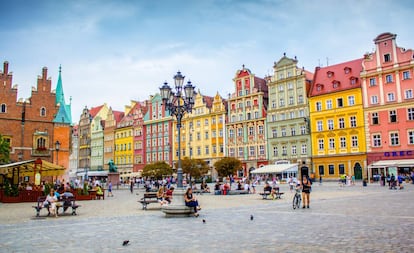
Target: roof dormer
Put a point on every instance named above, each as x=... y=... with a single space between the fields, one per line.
x=330 y=74
x=347 y=70
x=336 y=83
x=319 y=87
x=353 y=80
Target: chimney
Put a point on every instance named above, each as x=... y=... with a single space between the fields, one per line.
x=44 y=73
x=6 y=67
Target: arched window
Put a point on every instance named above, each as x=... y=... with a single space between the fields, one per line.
x=43 y=112
x=3 y=108
x=41 y=143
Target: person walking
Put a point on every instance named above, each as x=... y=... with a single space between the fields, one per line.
x=110 y=189
x=306 y=189
x=131 y=187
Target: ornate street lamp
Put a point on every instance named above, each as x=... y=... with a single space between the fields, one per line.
x=57 y=148
x=178 y=103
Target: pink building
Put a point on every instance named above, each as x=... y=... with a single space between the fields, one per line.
x=389 y=107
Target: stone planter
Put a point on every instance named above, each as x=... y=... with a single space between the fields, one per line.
x=9 y=199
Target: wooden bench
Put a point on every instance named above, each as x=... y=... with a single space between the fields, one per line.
x=39 y=206
x=149 y=197
x=67 y=202
x=267 y=193
x=236 y=192
x=64 y=203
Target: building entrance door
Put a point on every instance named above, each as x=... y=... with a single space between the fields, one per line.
x=358 y=171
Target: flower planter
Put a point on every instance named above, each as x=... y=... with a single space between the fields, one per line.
x=83 y=197
x=8 y=199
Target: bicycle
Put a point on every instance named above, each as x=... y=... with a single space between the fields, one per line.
x=297 y=199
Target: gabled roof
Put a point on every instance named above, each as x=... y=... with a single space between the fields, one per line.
x=94 y=110
x=118 y=115
x=209 y=101
x=336 y=78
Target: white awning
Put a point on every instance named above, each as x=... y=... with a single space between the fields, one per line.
x=276 y=168
x=94 y=173
x=392 y=163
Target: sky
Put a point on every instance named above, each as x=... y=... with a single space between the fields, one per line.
x=115 y=51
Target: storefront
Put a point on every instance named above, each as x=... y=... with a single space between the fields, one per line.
x=393 y=162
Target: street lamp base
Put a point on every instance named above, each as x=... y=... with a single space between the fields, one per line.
x=177 y=208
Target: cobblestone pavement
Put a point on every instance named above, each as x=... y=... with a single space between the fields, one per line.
x=340 y=219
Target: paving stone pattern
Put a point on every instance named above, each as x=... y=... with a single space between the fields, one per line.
x=340 y=219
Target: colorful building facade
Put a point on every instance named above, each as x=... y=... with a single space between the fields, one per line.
x=288 y=115
x=246 y=137
x=337 y=121
x=388 y=86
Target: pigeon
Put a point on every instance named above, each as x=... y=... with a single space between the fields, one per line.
x=251 y=217
x=204 y=221
x=125 y=243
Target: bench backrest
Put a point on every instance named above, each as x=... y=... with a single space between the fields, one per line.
x=150 y=195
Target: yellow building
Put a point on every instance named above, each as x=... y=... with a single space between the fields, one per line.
x=337 y=121
x=202 y=131
x=124 y=138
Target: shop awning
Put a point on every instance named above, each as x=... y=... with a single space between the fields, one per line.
x=392 y=163
x=26 y=168
x=276 y=168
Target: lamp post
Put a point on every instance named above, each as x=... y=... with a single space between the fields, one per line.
x=57 y=148
x=178 y=104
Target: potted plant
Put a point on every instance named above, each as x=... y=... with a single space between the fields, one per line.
x=11 y=193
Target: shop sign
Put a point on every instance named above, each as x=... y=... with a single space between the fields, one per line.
x=398 y=153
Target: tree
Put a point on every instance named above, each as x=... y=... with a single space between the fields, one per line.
x=194 y=167
x=157 y=170
x=227 y=166
x=4 y=150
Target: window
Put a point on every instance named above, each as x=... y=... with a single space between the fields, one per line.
x=393 y=116
x=256 y=115
x=342 y=142
x=376 y=140
x=411 y=137
x=43 y=112
x=282 y=102
x=330 y=124
x=304 y=149
x=207 y=148
x=331 y=169
x=261 y=150
x=274 y=133
x=352 y=121
x=280 y=87
x=372 y=82
x=213 y=134
x=290 y=85
x=252 y=151
x=410 y=113
x=3 y=108
x=198 y=150
x=261 y=130
x=239 y=131
x=390 y=97
x=251 y=130
x=406 y=75
x=231 y=152
x=319 y=125
x=302 y=130
x=388 y=79
x=328 y=104
x=206 y=135
x=231 y=133
x=395 y=139
x=198 y=136
x=300 y=99
x=387 y=57
x=293 y=150
x=206 y=122
x=290 y=100
x=293 y=131
x=273 y=104
x=354 y=141
x=292 y=115
x=340 y=102
x=375 y=118
x=283 y=131
x=321 y=170
x=351 y=100
x=240 y=117
x=214 y=149
x=318 y=106
x=275 y=153
x=341 y=169
x=284 y=151
x=374 y=100
x=198 y=123
x=408 y=94
x=320 y=144
x=331 y=143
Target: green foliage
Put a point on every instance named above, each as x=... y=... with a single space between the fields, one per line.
x=10 y=190
x=194 y=167
x=4 y=151
x=47 y=188
x=157 y=170
x=227 y=166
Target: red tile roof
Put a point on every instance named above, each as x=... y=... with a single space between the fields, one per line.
x=118 y=115
x=336 y=78
x=94 y=110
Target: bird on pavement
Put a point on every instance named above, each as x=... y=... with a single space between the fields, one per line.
x=204 y=221
x=251 y=217
x=125 y=243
